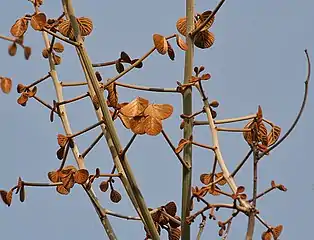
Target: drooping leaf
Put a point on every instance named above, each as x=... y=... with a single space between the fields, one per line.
x=62 y=190
x=22 y=100
x=103 y=186
x=125 y=57
x=204 y=39
x=119 y=67
x=171 y=208
x=139 y=65
x=6 y=84
x=135 y=108
x=54 y=176
x=58 y=47
x=152 y=125
x=57 y=59
x=12 y=49
x=181 y=145
x=125 y=120
x=160 y=111
x=27 y=52
x=160 y=43
x=181 y=26
x=266 y=235
x=112 y=95
x=170 y=51
x=181 y=44
x=3 y=195
x=38 y=21
x=66 y=29
x=19 y=27
x=62 y=140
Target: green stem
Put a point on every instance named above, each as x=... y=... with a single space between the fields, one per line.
x=188 y=126
x=109 y=122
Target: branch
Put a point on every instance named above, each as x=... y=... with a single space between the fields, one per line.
x=301 y=109
x=150 y=89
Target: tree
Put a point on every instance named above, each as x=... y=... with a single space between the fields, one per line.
x=142 y=118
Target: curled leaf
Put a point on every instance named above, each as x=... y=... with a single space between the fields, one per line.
x=58 y=47
x=12 y=49
x=181 y=145
x=171 y=208
x=160 y=43
x=62 y=190
x=170 y=51
x=125 y=57
x=181 y=26
x=19 y=27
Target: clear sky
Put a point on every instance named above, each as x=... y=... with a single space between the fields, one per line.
x=257 y=59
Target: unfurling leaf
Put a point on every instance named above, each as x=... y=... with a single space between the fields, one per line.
x=81 y=176
x=181 y=145
x=135 y=108
x=115 y=196
x=12 y=49
x=181 y=44
x=103 y=186
x=159 y=111
x=19 y=27
x=206 y=178
x=152 y=126
x=181 y=26
x=204 y=39
x=38 y=21
x=170 y=51
x=274 y=134
x=160 y=43
x=6 y=84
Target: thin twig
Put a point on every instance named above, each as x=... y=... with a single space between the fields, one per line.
x=73 y=99
x=242 y=163
x=38 y=81
x=150 y=89
x=87 y=129
x=229 y=120
x=301 y=109
x=44 y=103
x=203 y=145
x=60 y=37
x=233 y=129
x=73 y=84
x=128 y=145
x=92 y=144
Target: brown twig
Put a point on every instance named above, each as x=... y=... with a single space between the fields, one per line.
x=150 y=89
x=241 y=163
x=87 y=129
x=122 y=154
x=73 y=84
x=92 y=144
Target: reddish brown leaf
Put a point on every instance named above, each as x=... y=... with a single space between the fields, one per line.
x=135 y=108
x=204 y=39
x=170 y=51
x=86 y=25
x=9 y=197
x=3 y=195
x=38 y=21
x=119 y=67
x=125 y=57
x=19 y=27
x=137 y=125
x=171 y=208
x=160 y=43
x=181 y=44
x=274 y=134
x=266 y=235
x=221 y=182
x=20 y=88
x=22 y=100
x=12 y=49
x=277 y=231
x=27 y=52
x=203 y=18
x=174 y=234
x=181 y=26
x=159 y=111
x=152 y=126
x=54 y=176
x=60 y=153
x=125 y=120
x=240 y=189
x=112 y=95
x=58 y=47
x=115 y=196
x=62 y=140
x=62 y=190
x=104 y=186
x=181 y=145
x=81 y=176
x=206 y=178
x=6 y=84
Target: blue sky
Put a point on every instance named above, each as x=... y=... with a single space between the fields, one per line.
x=257 y=59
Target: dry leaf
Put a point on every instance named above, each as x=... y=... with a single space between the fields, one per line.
x=19 y=27
x=203 y=18
x=119 y=67
x=213 y=190
x=125 y=57
x=38 y=21
x=181 y=26
x=20 y=88
x=62 y=140
x=171 y=208
x=174 y=234
x=174 y=224
x=206 y=178
x=181 y=145
x=240 y=189
x=204 y=39
x=135 y=108
x=112 y=95
x=274 y=134
x=222 y=181
x=160 y=111
x=277 y=231
x=12 y=49
x=27 y=52
x=86 y=25
x=62 y=190
x=22 y=193
x=54 y=176
x=65 y=29
x=104 y=186
x=181 y=44
x=6 y=84
x=115 y=196
x=152 y=126
x=81 y=176
x=45 y=53
x=57 y=59
x=170 y=51
x=266 y=235
x=160 y=43
x=125 y=120
x=3 y=195
x=137 y=125
x=58 y=47
x=22 y=100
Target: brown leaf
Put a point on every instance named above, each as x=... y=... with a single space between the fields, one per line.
x=62 y=190
x=171 y=208
x=202 y=19
x=204 y=39
x=20 y=88
x=213 y=190
x=6 y=84
x=22 y=100
x=60 y=153
x=66 y=29
x=112 y=95
x=19 y=27
x=81 y=176
x=9 y=197
x=240 y=189
x=86 y=25
x=206 y=178
x=62 y=140
x=125 y=120
x=221 y=182
x=174 y=234
x=159 y=111
x=38 y=21
x=205 y=76
x=58 y=47
x=273 y=184
x=274 y=134
x=181 y=44
x=135 y=108
x=32 y=92
x=160 y=43
x=262 y=133
x=170 y=51
x=57 y=59
x=259 y=114
x=67 y=180
x=152 y=126
x=125 y=57
x=45 y=53
x=248 y=135
x=174 y=224
x=115 y=196
x=181 y=145
x=3 y=195
x=282 y=188
x=12 y=49
x=139 y=65
x=181 y=26
x=119 y=67
x=137 y=125
x=54 y=176
x=277 y=231
x=27 y=52
x=103 y=186
x=22 y=193
x=266 y=235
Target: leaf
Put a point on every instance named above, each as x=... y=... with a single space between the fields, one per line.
x=6 y=84
x=135 y=108
x=58 y=47
x=240 y=189
x=277 y=231
x=95 y=102
x=22 y=100
x=115 y=196
x=62 y=190
x=54 y=176
x=174 y=234
x=12 y=49
x=266 y=235
x=81 y=176
x=9 y=197
x=152 y=126
x=32 y=92
x=159 y=111
x=60 y=153
x=45 y=53
x=19 y=27
x=65 y=29
x=98 y=76
x=103 y=186
x=119 y=67
x=112 y=95
x=274 y=134
x=67 y=180
x=213 y=190
x=181 y=26
x=27 y=52
x=248 y=135
x=170 y=51
x=22 y=193
x=171 y=208
x=181 y=44
x=125 y=57
x=203 y=18
x=62 y=140
x=181 y=145
x=204 y=39
x=20 y=88
x=160 y=43
x=262 y=133
x=125 y=120
x=273 y=184
x=86 y=25
x=38 y=21
x=206 y=178
x=259 y=114
x=3 y=195
x=57 y=59
x=137 y=125
x=222 y=181
x=205 y=76
x=139 y=65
